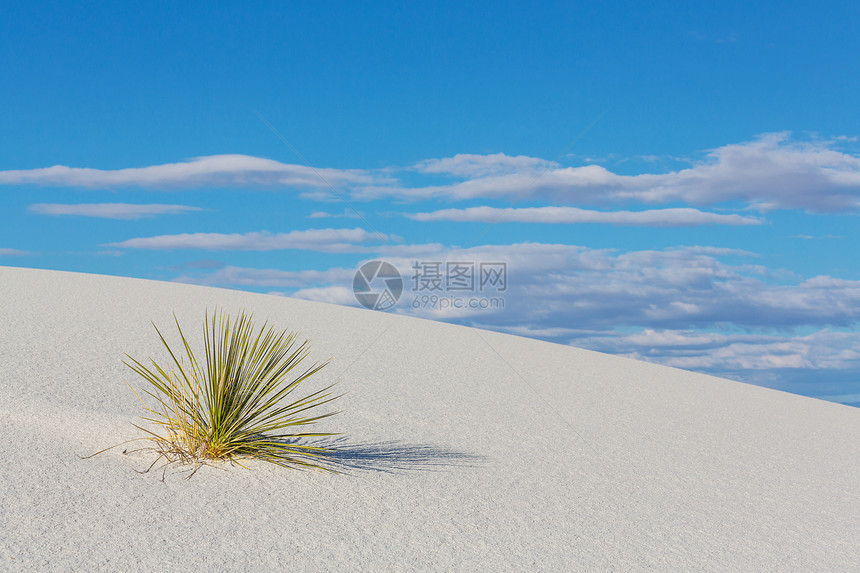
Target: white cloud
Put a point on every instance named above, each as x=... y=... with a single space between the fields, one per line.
x=341 y=295
x=471 y=165
x=716 y=251
x=564 y=286
x=214 y=170
x=346 y=213
x=243 y=276
x=681 y=306
x=12 y=252
x=676 y=217
x=111 y=210
x=326 y=240
x=553 y=286
x=206 y=264
x=727 y=352
x=771 y=172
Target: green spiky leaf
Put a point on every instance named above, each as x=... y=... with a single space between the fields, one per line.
x=240 y=402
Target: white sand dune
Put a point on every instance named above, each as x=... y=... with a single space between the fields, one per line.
x=466 y=450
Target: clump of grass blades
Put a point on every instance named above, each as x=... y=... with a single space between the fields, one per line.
x=238 y=403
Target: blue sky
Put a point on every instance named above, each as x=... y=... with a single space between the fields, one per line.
x=674 y=183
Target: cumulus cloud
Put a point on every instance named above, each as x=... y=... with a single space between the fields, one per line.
x=771 y=172
x=682 y=307
x=676 y=217
x=555 y=286
x=111 y=210
x=326 y=240
x=564 y=286
x=214 y=170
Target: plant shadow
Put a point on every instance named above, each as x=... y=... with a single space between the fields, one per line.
x=391 y=456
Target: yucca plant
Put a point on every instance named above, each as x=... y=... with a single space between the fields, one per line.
x=239 y=403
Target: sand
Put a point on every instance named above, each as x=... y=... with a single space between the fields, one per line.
x=465 y=450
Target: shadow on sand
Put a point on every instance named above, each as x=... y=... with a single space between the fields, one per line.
x=343 y=456
x=393 y=456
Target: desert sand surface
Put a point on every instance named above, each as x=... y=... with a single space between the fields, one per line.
x=463 y=450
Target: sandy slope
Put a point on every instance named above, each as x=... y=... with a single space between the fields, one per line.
x=481 y=452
